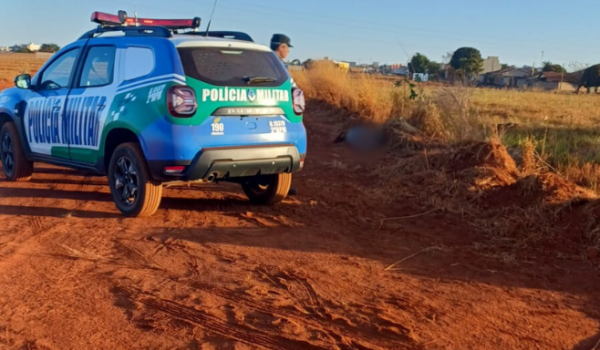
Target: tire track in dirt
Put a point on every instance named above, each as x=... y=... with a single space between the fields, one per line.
x=336 y=331
x=307 y=316
x=32 y=227
x=310 y=313
x=239 y=332
x=309 y=310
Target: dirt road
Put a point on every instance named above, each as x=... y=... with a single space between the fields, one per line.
x=210 y=271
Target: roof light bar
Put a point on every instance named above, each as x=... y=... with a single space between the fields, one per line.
x=168 y=23
x=106 y=19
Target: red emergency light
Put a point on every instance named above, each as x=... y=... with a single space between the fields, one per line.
x=168 y=23
x=106 y=19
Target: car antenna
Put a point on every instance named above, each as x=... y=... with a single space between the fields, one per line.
x=135 y=14
x=211 y=16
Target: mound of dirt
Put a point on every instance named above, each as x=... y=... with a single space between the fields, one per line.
x=484 y=166
x=486 y=155
x=538 y=189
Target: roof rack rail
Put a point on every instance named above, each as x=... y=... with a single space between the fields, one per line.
x=160 y=32
x=225 y=35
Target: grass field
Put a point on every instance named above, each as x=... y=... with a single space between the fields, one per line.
x=564 y=128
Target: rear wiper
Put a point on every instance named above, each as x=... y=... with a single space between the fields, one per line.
x=258 y=80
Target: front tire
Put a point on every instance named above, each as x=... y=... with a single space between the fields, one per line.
x=15 y=165
x=134 y=192
x=267 y=189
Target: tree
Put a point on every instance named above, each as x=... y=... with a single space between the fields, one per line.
x=550 y=67
x=52 y=48
x=434 y=70
x=467 y=62
x=22 y=49
x=419 y=63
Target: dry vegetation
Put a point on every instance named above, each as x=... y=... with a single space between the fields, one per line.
x=562 y=127
x=512 y=163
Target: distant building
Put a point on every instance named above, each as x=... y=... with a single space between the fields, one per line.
x=4 y=48
x=399 y=69
x=420 y=77
x=506 y=78
x=553 y=81
x=352 y=64
x=491 y=64
x=33 y=47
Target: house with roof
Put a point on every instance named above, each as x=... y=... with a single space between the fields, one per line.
x=554 y=81
x=511 y=77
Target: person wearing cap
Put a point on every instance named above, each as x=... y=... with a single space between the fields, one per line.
x=281 y=44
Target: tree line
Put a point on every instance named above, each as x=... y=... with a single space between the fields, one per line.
x=51 y=48
x=465 y=63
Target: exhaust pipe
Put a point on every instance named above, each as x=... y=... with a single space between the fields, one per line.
x=212 y=177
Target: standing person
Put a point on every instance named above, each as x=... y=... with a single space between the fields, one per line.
x=281 y=44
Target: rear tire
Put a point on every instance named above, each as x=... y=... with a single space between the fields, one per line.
x=267 y=189
x=133 y=190
x=15 y=166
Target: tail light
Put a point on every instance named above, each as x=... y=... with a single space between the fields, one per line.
x=174 y=170
x=182 y=101
x=299 y=101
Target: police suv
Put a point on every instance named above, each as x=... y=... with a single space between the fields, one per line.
x=150 y=102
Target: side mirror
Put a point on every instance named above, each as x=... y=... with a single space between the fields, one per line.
x=23 y=81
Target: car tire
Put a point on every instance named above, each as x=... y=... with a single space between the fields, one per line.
x=15 y=166
x=134 y=191
x=267 y=189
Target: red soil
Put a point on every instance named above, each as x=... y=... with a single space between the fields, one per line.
x=210 y=271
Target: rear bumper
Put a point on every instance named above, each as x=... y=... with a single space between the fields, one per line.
x=232 y=162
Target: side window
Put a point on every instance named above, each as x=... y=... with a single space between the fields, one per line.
x=139 y=62
x=98 y=67
x=58 y=73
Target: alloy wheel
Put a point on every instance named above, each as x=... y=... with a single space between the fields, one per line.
x=7 y=154
x=127 y=181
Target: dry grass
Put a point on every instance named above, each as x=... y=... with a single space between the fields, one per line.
x=443 y=113
x=367 y=98
x=559 y=130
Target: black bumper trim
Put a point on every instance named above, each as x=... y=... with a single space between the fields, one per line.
x=233 y=162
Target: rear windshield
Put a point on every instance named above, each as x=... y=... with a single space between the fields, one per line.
x=231 y=67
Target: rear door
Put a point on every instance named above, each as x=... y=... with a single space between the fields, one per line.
x=244 y=96
x=88 y=102
x=44 y=123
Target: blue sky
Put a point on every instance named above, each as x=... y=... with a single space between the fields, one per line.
x=387 y=31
